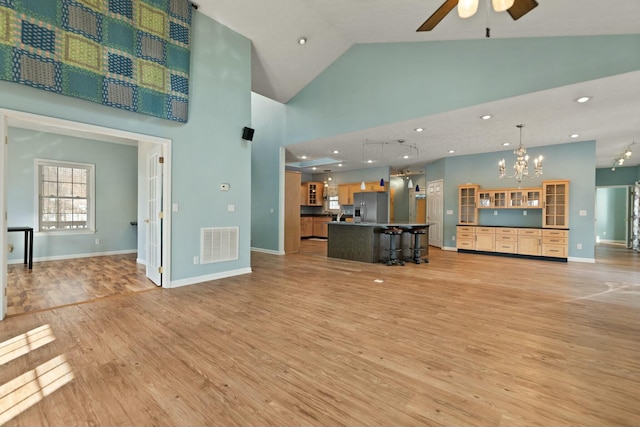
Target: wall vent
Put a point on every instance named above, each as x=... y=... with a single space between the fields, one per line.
x=218 y=244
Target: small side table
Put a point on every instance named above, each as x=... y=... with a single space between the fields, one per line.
x=28 y=243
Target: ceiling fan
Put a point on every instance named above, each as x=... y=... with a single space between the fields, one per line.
x=467 y=8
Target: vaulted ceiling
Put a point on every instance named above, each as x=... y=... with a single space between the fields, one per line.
x=281 y=68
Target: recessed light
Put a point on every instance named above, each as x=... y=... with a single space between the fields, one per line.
x=506 y=144
x=419 y=129
x=574 y=135
x=405 y=156
x=314 y=168
x=486 y=117
x=583 y=99
x=302 y=40
x=369 y=161
x=452 y=151
x=303 y=157
x=339 y=165
x=335 y=151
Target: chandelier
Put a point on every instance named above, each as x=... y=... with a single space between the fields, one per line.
x=521 y=166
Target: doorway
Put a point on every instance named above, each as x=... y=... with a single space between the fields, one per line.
x=614 y=211
x=435 y=212
x=14 y=119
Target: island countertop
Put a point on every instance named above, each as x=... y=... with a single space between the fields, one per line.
x=366 y=241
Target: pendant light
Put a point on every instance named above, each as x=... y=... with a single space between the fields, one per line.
x=363 y=186
x=410 y=183
x=382 y=162
x=417 y=188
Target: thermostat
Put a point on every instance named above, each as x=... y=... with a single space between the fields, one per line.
x=225 y=186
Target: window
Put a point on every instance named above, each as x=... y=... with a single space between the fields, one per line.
x=65 y=196
x=333 y=202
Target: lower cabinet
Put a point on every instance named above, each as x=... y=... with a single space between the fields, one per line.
x=555 y=243
x=486 y=239
x=513 y=240
x=529 y=242
x=306 y=226
x=320 y=226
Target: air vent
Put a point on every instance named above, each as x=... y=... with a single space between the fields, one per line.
x=218 y=244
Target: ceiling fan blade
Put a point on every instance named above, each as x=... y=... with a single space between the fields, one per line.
x=438 y=15
x=521 y=8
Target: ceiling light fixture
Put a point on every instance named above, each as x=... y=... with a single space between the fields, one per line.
x=302 y=40
x=303 y=157
x=521 y=165
x=583 y=99
x=468 y=8
x=626 y=154
x=574 y=135
x=486 y=117
x=419 y=129
x=335 y=151
x=506 y=144
x=452 y=151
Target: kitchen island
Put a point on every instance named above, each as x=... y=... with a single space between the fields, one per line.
x=366 y=242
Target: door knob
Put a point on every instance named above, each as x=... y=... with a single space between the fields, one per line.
x=147 y=220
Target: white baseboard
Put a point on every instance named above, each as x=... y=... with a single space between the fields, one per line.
x=141 y=261
x=617 y=242
x=580 y=259
x=72 y=256
x=209 y=277
x=267 y=251
x=449 y=248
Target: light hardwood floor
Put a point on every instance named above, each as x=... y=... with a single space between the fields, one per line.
x=305 y=340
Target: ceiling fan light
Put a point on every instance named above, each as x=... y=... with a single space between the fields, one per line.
x=467 y=8
x=502 y=5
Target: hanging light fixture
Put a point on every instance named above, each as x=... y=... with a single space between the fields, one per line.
x=410 y=183
x=521 y=165
x=363 y=186
x=382 y=162
x=468 y=8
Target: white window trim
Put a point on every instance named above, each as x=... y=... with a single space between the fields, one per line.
x=91 y=201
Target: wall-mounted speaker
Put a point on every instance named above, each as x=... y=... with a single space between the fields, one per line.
x=247 y=133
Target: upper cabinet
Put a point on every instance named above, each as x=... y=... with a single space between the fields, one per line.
x=467 y=208
x=555 y=195
x=311 y=194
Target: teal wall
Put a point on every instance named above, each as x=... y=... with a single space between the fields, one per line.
x=612 y=214
x=621 y=176
x=401 y=202
x=116 y=187
x=574 y=162
x=376 y=84
x=269 y=125
x=206 y=151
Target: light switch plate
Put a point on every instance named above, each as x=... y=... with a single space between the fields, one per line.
x=582 y=212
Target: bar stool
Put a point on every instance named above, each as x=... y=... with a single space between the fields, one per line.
x=394 y=233
x=417 y=249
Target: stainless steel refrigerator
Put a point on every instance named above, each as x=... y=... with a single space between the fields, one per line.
x=371 y=207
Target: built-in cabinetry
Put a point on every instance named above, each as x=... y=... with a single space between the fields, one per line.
x=551 y=243
x=467 y=204
x=550 y=240
x=346 y=191
x=314 y=226
x=306 y=226
x=311 y=194
x=556 y=204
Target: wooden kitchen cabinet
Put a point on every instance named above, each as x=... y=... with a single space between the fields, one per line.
x=507 y=240
x=529 y=241
x=467 y=207
x=555 y=195
x=311 y=194
x=555 y=243
x=466 y=237
x=306 y=226
x=485 y=239
x=495 y=199
x=320 y=226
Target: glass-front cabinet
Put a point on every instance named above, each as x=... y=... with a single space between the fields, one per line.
x=492 y=199
x=467 y=208
x=556 y=204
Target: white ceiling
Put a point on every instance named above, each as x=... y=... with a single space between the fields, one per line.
x=281 y=67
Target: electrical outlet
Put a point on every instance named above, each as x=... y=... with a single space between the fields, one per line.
x=196 y=260
x=453 y=238
x=579 y=245
x=524 y=213
x=97 y=241
x=495 y=212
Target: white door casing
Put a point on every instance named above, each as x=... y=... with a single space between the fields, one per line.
x=153 y=221
x=435 y=212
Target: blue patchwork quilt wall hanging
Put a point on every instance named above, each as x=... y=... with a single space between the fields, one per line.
x=129 y=54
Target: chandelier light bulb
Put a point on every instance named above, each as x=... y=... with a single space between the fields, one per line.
x=467 y=8
x=502 y=5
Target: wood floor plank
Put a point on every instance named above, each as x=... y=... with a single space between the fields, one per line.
x=308 y=341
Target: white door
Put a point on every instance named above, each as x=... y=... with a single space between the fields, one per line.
x=3 y=212
x=434 y=212
x=154 y=215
